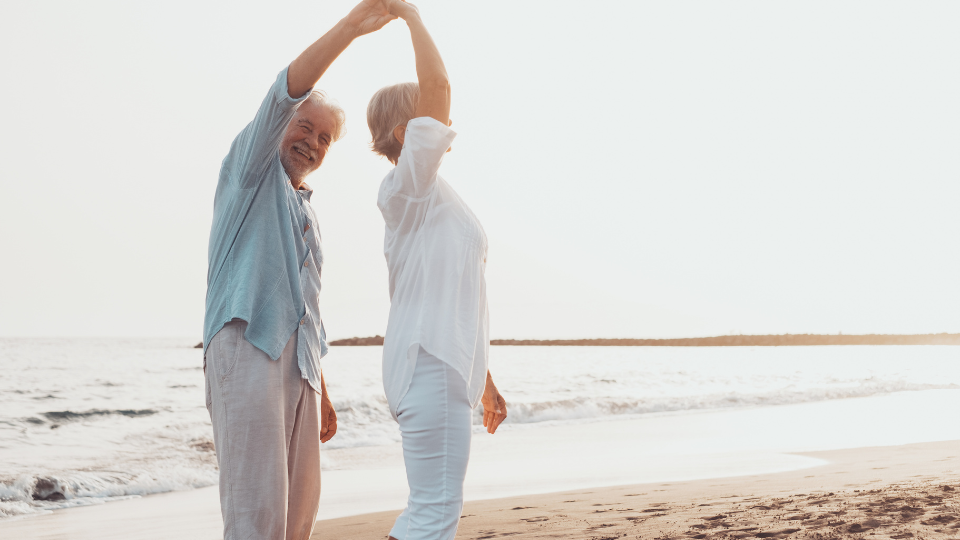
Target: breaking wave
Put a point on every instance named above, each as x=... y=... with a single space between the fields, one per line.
x=67 y=416
x=601 y=407
x=29 y=494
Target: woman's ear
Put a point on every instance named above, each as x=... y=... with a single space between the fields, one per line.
x=399 y=132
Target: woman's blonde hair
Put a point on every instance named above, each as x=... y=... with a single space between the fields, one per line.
x=390 y=107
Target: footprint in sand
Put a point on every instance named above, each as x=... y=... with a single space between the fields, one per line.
x=942 y=519
x=777 y=534
x=867 y=525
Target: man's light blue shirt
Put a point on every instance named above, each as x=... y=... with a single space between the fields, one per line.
x=265 y=255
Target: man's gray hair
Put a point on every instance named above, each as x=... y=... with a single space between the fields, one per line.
x=321 y=99
x=390 y=107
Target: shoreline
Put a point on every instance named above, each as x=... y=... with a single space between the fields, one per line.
x=718 y=447
x=764 y=340
x=900 y=492
x=853 y=490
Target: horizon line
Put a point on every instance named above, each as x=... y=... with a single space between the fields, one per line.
x=941 y=338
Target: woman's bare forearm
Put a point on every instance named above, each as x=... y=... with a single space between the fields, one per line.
x=431 y=73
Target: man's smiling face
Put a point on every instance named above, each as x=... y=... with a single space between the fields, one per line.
x=307 y=139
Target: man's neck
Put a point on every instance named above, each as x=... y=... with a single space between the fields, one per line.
x=300 y=186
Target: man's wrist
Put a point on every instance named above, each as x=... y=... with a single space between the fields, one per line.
x=347 y=30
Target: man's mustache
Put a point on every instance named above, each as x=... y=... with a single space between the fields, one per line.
x=305 y=150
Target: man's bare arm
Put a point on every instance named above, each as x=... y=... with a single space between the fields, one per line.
x=304 y=72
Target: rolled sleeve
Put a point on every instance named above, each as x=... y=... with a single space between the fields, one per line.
x=259 y=142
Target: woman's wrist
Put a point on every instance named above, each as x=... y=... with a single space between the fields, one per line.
x=409 y=14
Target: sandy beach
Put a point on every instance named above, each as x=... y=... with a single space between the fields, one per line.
x=909 y=491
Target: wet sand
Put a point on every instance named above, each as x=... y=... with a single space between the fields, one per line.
x=899 y=492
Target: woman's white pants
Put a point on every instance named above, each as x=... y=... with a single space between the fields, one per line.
x=434 y=418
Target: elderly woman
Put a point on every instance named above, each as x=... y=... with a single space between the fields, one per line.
x=435 y=350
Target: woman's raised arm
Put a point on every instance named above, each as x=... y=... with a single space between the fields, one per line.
x=431 y=73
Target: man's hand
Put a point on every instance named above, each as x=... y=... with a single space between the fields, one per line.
x=369 y=16
x=494 y=406
x=328 y=419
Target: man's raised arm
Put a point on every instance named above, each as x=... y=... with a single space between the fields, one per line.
x=304 y=72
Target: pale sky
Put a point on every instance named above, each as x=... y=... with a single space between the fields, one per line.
x=641 y=169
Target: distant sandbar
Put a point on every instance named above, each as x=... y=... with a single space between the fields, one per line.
x=779 y=340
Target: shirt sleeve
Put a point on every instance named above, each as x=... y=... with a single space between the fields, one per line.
x=259 y=142
x=424 y=144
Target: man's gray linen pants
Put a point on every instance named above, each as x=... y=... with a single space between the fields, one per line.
x=266 y=428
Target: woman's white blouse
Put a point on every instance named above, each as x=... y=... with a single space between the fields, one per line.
x=436 y=253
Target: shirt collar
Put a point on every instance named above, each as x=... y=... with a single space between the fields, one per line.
x=305 y=191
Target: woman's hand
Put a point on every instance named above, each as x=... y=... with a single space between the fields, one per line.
x=402 y=8
x=494 y=406
x=369 y=16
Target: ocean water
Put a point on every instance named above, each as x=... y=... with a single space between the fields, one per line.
x=87 y=421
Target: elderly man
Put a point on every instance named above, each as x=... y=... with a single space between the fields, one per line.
x=263 y=336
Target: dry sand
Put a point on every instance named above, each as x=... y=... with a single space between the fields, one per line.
x=898 y=492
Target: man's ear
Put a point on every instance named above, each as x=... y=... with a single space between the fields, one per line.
x=399 y=132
